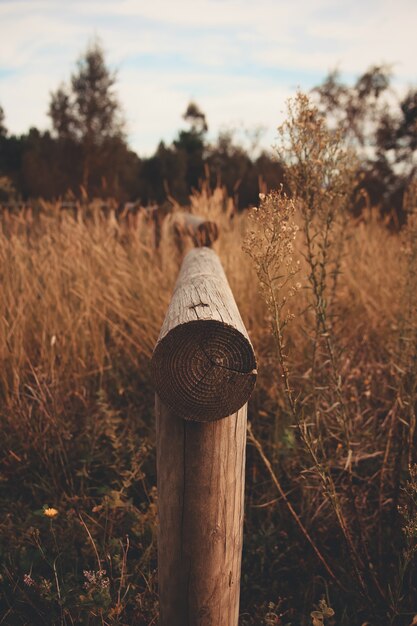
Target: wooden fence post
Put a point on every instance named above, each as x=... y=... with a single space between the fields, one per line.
x=201 y=231
x=204 y=370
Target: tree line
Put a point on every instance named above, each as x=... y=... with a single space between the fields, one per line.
x=86 y=153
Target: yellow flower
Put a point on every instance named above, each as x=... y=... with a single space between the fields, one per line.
x=50 y=512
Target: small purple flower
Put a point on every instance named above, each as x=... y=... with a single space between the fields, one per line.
x=28 y=580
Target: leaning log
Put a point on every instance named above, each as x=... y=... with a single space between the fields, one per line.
x=202 y=232
x=203 y=364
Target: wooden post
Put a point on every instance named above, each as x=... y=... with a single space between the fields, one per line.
x=201 y=471
x=203 y=364
x=202 y=232
x=204 y=371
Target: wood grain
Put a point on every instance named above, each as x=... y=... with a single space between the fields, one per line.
x=201 y=469
x=203 y=365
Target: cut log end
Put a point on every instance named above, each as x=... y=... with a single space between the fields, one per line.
x=204 y=370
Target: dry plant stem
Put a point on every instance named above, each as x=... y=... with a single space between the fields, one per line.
x=273 y=262
x=323 y=190
x=402 y=414
x=409 y=378
x=43 y=402
x=318 y=287
x=315 y=284
x=91 y=541
x=125 y=551
x=384 y=472
x=283 y=495
x=327 y=482
x=318 y=282
x=339 y=256
x=54 y=563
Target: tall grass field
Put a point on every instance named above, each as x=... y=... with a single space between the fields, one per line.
x=330 y=303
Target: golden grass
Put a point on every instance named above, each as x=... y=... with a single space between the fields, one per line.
x=72 y=292
x=82 y=302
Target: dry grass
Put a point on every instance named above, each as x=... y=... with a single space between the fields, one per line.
x=82 y=303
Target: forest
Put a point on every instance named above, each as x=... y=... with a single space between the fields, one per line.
x=86 y=153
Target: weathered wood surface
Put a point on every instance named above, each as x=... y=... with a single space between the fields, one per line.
x=203 y=365
x=201 y=469
x=202 y=232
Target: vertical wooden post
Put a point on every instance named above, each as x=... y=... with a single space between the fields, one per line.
x=201 y=470
x=204 y=371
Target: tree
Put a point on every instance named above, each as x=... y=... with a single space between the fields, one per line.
x=383 y=132
x=355 y=110
x=191 y=143
x=11 y=152
x=196 y=118
x=3 y=131
x=88 y=114
x=164 y=174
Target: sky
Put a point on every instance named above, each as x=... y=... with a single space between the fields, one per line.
x=240 y=60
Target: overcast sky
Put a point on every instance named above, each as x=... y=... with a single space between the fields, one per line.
x=238 y=59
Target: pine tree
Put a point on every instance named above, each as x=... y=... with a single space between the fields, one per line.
x=88 y=114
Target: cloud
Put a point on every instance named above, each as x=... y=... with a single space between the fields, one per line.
x=239 y=59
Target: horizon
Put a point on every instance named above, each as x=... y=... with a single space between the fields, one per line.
x=238 y=61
